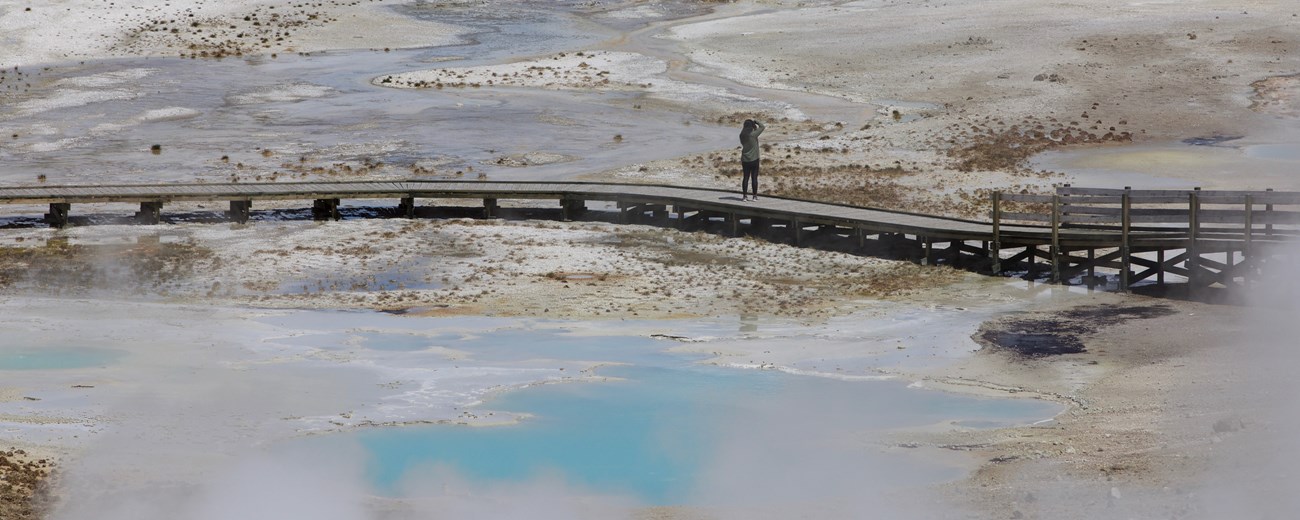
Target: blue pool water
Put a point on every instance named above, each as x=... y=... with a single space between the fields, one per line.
x=55 y=358
x=655 y=431
x=654 y=426
x=625 y=437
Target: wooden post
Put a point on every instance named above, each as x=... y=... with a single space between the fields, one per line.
x=570 y=209
x=929 y=251
x=1092 y=266
x=1065 y=201
x=798 y=232
x=490 y=208
x=1193 y=229
x=681 y=216
x=58 y=215
x=1249 y=231
x=325 y=209
x=150 y=212
x=1160 y=259
x=1033 y=260
x=1268 y=210
x=862 y=238
x=661 y=214
x=995 y=254
x=1055 y=253
x=407 y=207
x=735 y=224
x=1126 y=223
x=239 y=210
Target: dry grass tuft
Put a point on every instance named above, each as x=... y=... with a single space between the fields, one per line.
x=994 y=145
x=23 y=486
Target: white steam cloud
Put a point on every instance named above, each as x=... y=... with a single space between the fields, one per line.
x=1255 y=470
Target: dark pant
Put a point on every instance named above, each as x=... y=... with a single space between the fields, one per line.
x=750 y=179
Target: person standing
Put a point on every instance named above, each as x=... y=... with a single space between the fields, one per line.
x=749 y=158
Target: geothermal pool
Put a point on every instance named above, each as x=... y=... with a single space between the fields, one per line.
x=431 y=407
x=667 y=436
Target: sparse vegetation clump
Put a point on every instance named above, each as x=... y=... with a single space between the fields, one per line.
x=262 y=29
x=24 y=488
x=991 y=144
x=58 y=267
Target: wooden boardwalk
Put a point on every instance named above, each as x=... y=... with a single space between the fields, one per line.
x=1188 y=232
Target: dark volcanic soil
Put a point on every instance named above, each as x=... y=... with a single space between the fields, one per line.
x=1038 y=335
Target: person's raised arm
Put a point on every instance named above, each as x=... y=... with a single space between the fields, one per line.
x=760 y=128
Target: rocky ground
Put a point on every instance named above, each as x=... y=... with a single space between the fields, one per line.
x=505 y=268
x=23 y=489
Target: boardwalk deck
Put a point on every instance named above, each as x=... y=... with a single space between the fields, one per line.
x=1110 y=226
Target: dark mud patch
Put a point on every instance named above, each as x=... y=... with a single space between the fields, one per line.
x=1211 y=140
x=1041 y=335
x=1035 y=344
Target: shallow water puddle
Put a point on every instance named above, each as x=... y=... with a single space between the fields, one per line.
x=56 y=357
x=275 y=118
x=1278 y=152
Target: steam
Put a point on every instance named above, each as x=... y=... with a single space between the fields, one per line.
x=197 y=455
x=1256 y=462
x=193 y=453
x=283 y=487
x=443 y=493
x=785 y=459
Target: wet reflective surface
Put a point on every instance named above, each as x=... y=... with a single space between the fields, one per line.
x=661 y=428
x=293 y=116
x=54 y=357
x=1268 y=160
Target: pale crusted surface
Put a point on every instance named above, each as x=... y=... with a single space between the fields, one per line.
x=58 y=30
x=1142 y=403
x=499 y=268
x=1166 y=68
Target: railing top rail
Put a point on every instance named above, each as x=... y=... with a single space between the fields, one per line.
x=1174 y=196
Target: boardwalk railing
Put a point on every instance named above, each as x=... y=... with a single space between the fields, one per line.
x=1212 y=232
x=1206 y=237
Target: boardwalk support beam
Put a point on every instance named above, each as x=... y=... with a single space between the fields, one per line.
x=681 y=215
x=1055 y=252
x=325 y=209
x=1247 y=235
x=995 y=251
x=239 y=211
x=58 y=215
x=491 y=209
x=572 y=209
x=150 y=212
x=1125 y=251
x=406 y=207
x=1193 y=229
